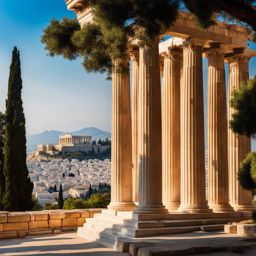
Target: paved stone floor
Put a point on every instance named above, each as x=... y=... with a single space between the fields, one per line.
x=183 y=244
x=60 y=245
x=70 y=244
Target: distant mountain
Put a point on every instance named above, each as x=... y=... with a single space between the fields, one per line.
x=94 y=132
x=52 y=136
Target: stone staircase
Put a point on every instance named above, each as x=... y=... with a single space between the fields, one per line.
x=107 y=226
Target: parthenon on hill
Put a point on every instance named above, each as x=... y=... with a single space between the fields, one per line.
x=159 y=188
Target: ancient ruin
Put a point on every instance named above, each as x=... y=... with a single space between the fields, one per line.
x=160 y=188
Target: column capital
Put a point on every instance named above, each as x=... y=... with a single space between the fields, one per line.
x=237 y=58
x=134 y=54
x=120 y=65
x=192 y=43
x=175 y=53
x=214 y=52
x=215 y=57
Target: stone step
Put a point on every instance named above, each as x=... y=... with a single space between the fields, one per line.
x=188 y=216
x=177 y=223
x=210 y=228
x=105 y=242
x=108 y=217
x=147 y=232
x=105 y=236
x=103 y=223
x=100 y=227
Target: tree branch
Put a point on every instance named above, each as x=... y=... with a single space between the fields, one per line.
x=240 y=11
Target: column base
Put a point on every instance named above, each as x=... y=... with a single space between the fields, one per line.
x=203 y=208
x=243 y=208
x=172 y=207
x=129 y=206
x=150 y=209
x=222 y=208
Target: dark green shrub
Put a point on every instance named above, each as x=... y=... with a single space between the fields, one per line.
x=244 y=173
x=74 y=203
x=50 y=206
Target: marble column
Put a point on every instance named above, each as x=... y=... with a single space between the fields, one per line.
x=218 y=197
x=121 y=141
x=238 y=146
x=193 y=198
x=135 y=91
x=171 y=128
x=149 y=133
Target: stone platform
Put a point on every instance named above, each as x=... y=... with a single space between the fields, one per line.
x=108 y=226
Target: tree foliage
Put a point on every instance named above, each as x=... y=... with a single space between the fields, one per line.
x=244 y=103
x=247 y=172
x=115 y=22
x=60 y=198
x=98 y=200
x=2 y=177
x=18 y=187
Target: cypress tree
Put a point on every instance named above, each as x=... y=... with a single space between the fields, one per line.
x=2 y=177
x=60 y=198
x=18 y=186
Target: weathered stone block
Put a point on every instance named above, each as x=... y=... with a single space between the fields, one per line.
x=72 y=214
x=3 y=217
x=57 y=231
x=94 y=211
x=15 y=226
x=39 y=232
x=38 y=224
x=68 y=229
x=246 y=230
x=85 y=214
x=72 y=222
x=230 y=229
x=57 y=215
x=54 y=223
x=35 y=216
x=18 y=217
x=80 y=222
x=22 y=234
x=8 y=235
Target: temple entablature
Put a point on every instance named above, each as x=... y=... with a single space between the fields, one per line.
x=230 y=37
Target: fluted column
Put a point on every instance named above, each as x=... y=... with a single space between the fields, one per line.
x=238 y=146
x=135 y=96
x=171 y=129
x=193 y=197
x=218 y=198
x=150 y=146
x=121 y=140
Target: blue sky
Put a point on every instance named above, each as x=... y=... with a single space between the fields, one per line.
x=57 y=94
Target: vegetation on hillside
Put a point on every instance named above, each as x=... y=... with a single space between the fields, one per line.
x=94 y=198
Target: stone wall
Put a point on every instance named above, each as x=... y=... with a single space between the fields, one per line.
x=21 y=224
